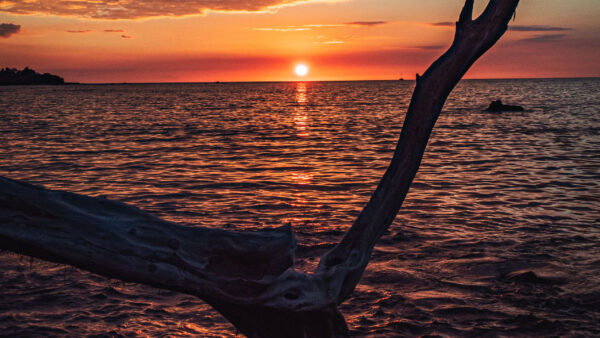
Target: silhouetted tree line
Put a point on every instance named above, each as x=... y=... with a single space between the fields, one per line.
x=27 y=76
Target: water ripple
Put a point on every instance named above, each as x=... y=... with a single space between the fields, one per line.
x=499 y=235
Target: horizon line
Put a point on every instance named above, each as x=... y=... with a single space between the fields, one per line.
x=291 y=81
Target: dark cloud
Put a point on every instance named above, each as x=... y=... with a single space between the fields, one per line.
x=83 y=31
x=543 y=38
x=366 y=23
x=126 y=36
x=427 y=47
x=114 y=31
x=443 y=24
x=518 y=28
x=132 y=9
x=8 y=29
x=536 y=28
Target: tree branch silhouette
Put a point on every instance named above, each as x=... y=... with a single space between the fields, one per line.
x=247 y=276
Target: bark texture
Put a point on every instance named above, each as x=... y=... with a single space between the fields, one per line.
x=247 y=276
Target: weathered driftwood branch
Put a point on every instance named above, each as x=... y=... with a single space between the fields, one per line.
x=472 y=39
x=247 y=276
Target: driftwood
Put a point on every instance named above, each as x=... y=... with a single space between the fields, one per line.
x=247 y=276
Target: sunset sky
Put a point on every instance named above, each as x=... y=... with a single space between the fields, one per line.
x=263 y=40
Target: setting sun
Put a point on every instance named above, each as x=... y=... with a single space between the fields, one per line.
x=301 y=69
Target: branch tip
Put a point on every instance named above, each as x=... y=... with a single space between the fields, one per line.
x=466 y=15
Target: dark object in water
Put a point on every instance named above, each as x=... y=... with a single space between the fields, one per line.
x=533 y=278
x=497 y=106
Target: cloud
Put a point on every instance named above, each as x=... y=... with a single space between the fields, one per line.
x=150 y=68
x=319 y=25
x=283 y=29
x=536 y=28
x=8 y=29
x=126 y=36
x=133 y=9
x=517 y=28
x=366 y=23
x=543 y=38
x=79 y=31
x=427 y=47
x=113 y=31
x=443 y=24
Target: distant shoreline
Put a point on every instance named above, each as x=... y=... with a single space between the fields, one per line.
x=27 y=77
x=47 y=84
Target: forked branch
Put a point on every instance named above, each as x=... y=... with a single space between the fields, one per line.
x=348 y=259
x=248 y=277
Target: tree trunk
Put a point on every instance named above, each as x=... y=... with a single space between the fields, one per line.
x=247 y=276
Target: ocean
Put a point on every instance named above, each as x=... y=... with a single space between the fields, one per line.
x=499 y=234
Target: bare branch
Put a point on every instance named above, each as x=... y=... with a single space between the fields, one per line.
x=247 y=276
x=121 y=241
x=350 y=257
x=466 y=15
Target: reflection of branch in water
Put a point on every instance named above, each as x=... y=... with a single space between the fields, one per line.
x=247 y=276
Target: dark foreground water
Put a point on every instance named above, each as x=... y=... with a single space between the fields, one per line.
x=499 y=235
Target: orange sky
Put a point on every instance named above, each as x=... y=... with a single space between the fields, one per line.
x=262 y=40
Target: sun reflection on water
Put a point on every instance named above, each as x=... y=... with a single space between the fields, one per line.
x=301 y=121
x=301 y=178
x=301 y=97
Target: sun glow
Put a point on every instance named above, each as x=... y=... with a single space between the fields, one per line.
x=301 y=69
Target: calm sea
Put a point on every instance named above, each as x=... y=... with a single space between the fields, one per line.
x=499 y=235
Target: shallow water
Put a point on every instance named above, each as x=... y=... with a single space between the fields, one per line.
x=499 y=235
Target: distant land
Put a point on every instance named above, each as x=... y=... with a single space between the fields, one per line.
x=27 y=76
